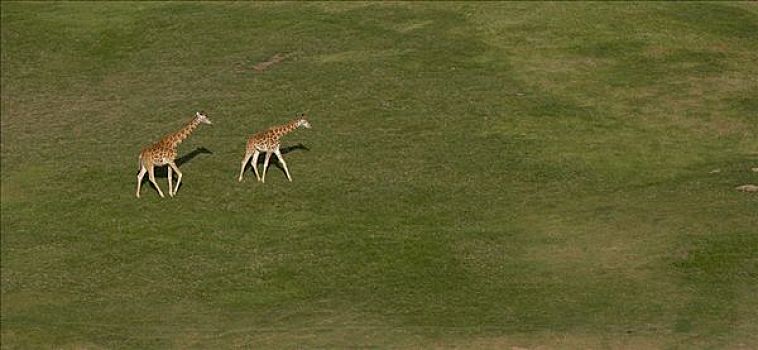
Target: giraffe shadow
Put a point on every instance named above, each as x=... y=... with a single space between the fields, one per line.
x=162 y=172
x=274 y=162
x=292 y=148
x=189 y=156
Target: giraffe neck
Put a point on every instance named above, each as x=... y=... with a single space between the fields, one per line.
x=179 y=136
x=288 y=128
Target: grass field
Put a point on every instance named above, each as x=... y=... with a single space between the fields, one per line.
x=478 y=175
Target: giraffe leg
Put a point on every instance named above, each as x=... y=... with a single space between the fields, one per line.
x=151 y=175
x=265 y=165
x=140 y=176
x=255 y=164
x=284 y=164
x=244 y=163
x=170 y=178
x=178 y=176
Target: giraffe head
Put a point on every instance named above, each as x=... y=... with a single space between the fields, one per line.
x=202 y=118
x=301 y=121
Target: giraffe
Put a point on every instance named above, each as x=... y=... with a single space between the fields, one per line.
x=163 y=153
x=268 y=142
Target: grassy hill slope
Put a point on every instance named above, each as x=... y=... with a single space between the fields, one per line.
x=478 y=175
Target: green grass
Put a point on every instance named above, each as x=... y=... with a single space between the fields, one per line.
x=478 y=175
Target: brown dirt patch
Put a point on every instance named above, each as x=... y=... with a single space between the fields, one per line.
x=265 y=65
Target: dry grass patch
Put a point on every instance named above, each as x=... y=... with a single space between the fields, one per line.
x=555 y=340
x=326 y=328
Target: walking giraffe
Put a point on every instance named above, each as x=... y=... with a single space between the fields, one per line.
x=163 y=153
x=268 y=141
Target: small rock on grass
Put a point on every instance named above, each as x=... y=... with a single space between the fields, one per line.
x=747 y=188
